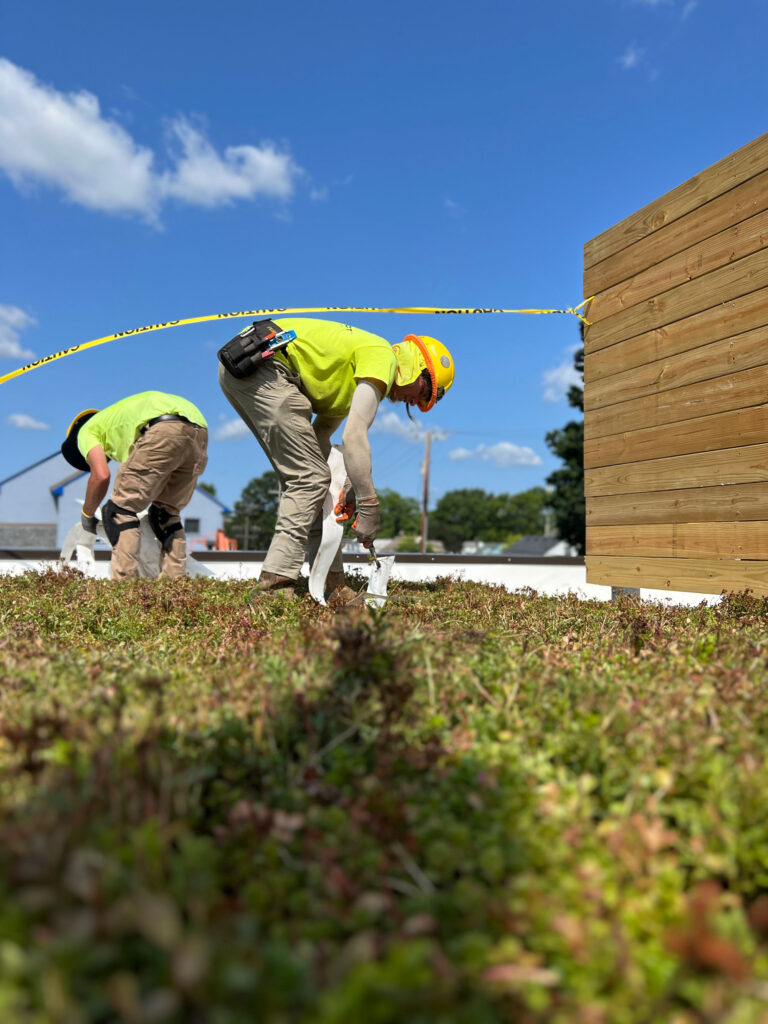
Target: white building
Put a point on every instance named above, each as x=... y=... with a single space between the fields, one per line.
x=39 y=504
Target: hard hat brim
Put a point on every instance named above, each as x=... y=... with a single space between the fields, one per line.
x=73 y=455
x=69 y=448
x=426 y=355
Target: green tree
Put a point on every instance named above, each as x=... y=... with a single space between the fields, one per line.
x=576 y=391
x=461 y=515
x=208 y=488
x=252 y=522
x=514 y=514
x=567 y=498
x=398 y=514
x=473 y=514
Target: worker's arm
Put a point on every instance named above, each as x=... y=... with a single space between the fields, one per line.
x=357 y=449
x=324 y=426
x=98 y=481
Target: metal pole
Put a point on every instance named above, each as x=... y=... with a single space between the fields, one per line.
x=425 y=496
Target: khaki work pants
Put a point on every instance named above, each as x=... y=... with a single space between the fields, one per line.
x=162 y=469
x=279 y=414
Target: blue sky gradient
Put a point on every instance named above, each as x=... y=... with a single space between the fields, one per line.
x=165 y=161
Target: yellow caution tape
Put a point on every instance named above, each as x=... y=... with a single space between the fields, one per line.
x=574 y=310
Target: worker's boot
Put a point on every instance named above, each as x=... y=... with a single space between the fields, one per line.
x=273 y=585
x=337 y=593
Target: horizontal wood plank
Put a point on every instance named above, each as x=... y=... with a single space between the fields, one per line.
x=719 y=358
x=721 y=394
x=731 y=503
x=733 y=244
x=694 y=575
x=722 y=213
x=703 y=293
x=702 y=434
x=724 y=321
x=730 y=466
x=681 y=540
x=732 y=170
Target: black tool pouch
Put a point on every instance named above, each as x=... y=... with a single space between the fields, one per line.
x=242 y=355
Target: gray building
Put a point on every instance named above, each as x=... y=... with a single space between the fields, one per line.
x=39 y=504
x=536 y=545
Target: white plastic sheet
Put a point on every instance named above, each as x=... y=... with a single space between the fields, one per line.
x=332 y=531
x=376 y=591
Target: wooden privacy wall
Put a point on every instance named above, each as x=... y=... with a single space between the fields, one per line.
x=676 y=387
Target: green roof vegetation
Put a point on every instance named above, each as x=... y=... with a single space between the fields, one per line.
x=469 y=806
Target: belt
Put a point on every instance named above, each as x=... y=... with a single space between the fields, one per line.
x=161 y=419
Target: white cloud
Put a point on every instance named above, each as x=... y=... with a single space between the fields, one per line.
x=557 y=381
x=13 y=320
x=232 y=430
x=686 y=7
x=631 y=57
x=504 y=455
x=203 y=178
x=62 y=140
x=21 y=421
x=456 y=209
x=413 y=431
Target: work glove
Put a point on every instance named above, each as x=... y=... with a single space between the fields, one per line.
x=366 y=524
x=88 y=523
x=344 y=509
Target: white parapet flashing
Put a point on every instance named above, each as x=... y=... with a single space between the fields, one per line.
x=555 y=576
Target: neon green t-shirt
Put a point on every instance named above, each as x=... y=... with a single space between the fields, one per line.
x=117 y=427
x=331 y=358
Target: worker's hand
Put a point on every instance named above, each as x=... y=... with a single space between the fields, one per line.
x=344 y=509
x=88 y=523
x=366 y=525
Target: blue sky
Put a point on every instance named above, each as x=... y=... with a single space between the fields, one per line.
x=161 y=161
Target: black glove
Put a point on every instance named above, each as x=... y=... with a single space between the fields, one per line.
x=366 y=525
x=88 y=523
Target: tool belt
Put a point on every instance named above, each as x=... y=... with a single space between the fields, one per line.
x=244 y=354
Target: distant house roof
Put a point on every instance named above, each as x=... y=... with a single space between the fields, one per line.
x=533 y=544
x=26 y=469
x=58 y=487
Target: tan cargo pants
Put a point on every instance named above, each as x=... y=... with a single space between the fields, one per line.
x=162 y=469
x=279 y=414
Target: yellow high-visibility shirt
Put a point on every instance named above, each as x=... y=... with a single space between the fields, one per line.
x=331 y=358
x=116 y=427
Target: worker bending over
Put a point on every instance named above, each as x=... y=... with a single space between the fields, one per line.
x=160 y=441
x=277 y=375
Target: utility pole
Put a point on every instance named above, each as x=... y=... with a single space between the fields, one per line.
x=247 y=511
x=425 y=497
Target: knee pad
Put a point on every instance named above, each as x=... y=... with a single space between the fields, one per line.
x=162 y=527
x=111 y=528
